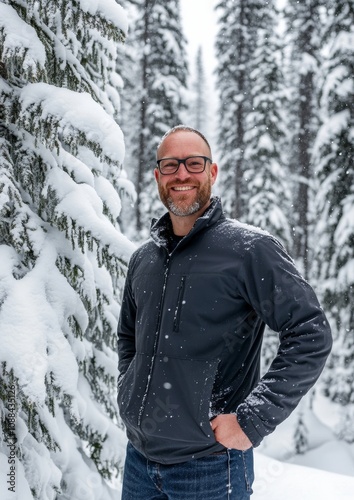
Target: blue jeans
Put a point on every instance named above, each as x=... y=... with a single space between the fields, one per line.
x=226 y=475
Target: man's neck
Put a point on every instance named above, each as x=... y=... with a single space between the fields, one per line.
x=182 y=225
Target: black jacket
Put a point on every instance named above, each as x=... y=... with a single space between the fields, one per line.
x=190 y=333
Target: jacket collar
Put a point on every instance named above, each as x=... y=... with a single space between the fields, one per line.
x=161 y=229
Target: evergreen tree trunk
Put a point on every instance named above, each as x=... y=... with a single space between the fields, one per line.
x=238 y=211
x=142 y=125
x=305 y=143
x=199 y=105
x=237 y=28
x=239 y=120
x=304 y=25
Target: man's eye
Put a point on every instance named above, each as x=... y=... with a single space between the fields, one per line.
x=170 y=164
x=194 y=163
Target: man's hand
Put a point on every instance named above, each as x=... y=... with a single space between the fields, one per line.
x=229 y=433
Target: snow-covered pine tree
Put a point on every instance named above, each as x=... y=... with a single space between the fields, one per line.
x=334 y=236
x=303 y=42
x=265 y=176
x=62 y=255
x=198 y=106
x=235 y=46
x=267 y=194
x=157 y=98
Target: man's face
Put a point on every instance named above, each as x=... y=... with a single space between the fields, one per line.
x=184 y=193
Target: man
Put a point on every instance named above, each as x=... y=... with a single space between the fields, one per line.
x=196 y=300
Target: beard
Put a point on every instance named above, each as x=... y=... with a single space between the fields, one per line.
x=184 y=206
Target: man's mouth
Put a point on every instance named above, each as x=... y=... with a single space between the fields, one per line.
x=182 y=188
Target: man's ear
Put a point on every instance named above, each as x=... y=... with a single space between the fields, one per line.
x=156 y=174
x=214 y=169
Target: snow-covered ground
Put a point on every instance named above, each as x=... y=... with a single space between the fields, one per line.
x=282 y=481
x=324 y=472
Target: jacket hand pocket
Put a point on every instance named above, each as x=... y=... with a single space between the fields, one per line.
x=125 y=384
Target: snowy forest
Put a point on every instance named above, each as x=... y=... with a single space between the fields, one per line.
x=87 y=89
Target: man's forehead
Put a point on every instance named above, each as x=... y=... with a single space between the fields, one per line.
x=186 y=141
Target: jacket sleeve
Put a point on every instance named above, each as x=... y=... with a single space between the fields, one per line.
x=126 y=327
x=287 y=304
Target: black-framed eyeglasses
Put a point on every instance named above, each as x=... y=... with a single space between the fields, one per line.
x=193 y=164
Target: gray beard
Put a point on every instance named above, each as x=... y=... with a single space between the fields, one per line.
x=183 y=212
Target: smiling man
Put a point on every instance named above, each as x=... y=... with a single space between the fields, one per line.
x=185 y=192
x=196 y=301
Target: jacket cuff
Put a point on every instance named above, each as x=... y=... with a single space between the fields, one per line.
x=251 y=425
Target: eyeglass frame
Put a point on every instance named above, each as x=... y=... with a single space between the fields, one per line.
x=183 y=160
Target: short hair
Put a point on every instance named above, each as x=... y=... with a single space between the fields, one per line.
x=183 y=128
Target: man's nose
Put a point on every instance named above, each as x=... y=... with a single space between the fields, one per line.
x=182 y=173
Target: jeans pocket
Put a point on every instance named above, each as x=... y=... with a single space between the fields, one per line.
x=241 y=474
x=247 y=458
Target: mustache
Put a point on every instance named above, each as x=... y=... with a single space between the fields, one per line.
x=187 y=182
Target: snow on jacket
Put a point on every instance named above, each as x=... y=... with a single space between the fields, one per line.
x=190 y=333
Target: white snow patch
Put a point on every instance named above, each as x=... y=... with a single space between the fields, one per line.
x=278 y=481
x=32 y=317
x=109 y=9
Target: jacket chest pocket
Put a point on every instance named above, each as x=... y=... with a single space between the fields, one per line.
x=196 y=311
x=179 y=305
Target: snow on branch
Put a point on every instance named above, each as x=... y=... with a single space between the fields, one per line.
x=331 y=128
x=73 y=117
x=20 y=48
x=80 y=203
x=106 y=14
x=109 y=10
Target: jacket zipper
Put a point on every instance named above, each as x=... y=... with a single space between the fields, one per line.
x=176 y=319
x=157 y=334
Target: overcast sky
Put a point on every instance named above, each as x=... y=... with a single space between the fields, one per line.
x=200 y=26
